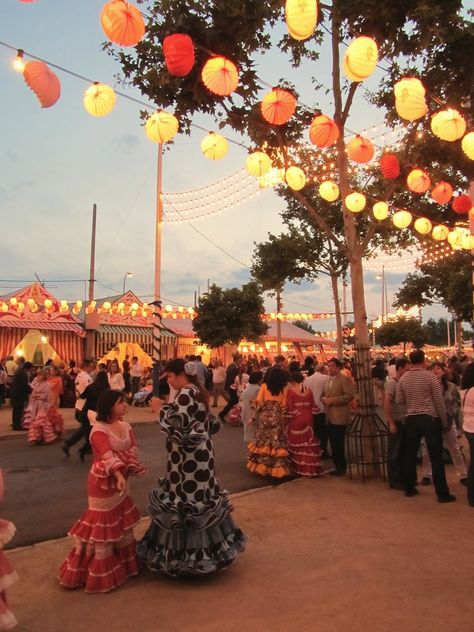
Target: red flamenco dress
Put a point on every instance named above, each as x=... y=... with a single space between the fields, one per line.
x=105 y=552
x=303 y=446
x=7 y=575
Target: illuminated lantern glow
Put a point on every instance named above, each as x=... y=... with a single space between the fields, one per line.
x=355 y=202
x=442 y=192
x=178 y=50
x=418 y=181
x=301 y=18
x=295 y=178
x=467 y=145
x=402 y=219
x=390 y=166
x=214 y=146
x=258 y=163
x=456 y=237
x=360 y=149
x=43 y=81
x=161 y=127
x=440 y=232
x=380 y=210
x=462 y=204
x=278 y=106
x=19 y=63
x=323 y=131
x=99 y=99
x=220 y=76
x=107 y=305
x=448 y=125
x=467 y=242
x=423 y=226
x=360 y=59
x=122 y=23
x=329 y=191
x=48 y=303
x=410 y=101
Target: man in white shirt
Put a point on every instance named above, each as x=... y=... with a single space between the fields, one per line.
x=83 y=379
x=136 y=371
x=315 y=383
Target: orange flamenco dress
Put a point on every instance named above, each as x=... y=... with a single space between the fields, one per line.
x=268 y=453
x=105 y=552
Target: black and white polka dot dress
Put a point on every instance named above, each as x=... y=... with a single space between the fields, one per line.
x=191 y=531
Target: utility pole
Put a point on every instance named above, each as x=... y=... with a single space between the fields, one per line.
x=278 y=323
x=92 y=320
x=157 y=324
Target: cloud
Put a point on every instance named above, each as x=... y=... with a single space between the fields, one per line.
x=127 y=143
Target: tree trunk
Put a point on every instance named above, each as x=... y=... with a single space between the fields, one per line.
x=459 y=348
x=278 y=322
x=337 y=311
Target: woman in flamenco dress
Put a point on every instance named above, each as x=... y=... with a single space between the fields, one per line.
x=7 y=574
x=105 y=552
x=191 y=530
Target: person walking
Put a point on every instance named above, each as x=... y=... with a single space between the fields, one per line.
x=116 y=380
x=231 y=373
x=467 y=403
x=218 y=382
x=248 y=404
x=395 y=416
x=126 y=375
x=420 y=391
x=136 y=371
x=3 y=382
x=19 y=392
x=83 y=379
x=338 y=395
x=315 y=383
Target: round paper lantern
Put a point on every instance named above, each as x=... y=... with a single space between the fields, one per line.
x=467 y=145
x=390 y=166
x=301 y=18
x=278 y=106
x=355 y=202
x=455 y=238
x=448 y=125
x=410 y=101
x=329 y=191
x=48 y=303
x=220 y=76
x=43 y=81
x=258 y=163
x=418 y=181
x=380 y=210
x=360 y=149
x=122 y=23
x=323 y=131
x=440 y=233
x=462 y=204
x=178 y=50
x=467 y=242
x=161 y=127
x=423 y=226
x=442 y=192
x=402 y=219
x=360 y=59
x=214 y=146
x=99 y=99
x=295 y=178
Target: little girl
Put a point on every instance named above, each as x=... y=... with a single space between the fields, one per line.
x=7 y=574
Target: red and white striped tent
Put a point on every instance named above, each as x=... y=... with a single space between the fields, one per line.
x=24 y=311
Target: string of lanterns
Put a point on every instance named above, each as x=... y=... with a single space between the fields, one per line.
x=297 y=316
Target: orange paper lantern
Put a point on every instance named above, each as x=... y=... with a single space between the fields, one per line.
x=178 y=50
x=390 y=166
x=360 y=149
x=220 y=76
x=323 y=131
x=43 y=81
x=418 y=181
x=122 y=23
x=462 y=204
x=442 y=192
x=278 y=106
x=301 y=18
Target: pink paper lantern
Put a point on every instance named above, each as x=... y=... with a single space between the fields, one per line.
x=43 y=81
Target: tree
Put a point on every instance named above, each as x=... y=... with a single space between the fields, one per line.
x=229 y=316
x=302 y=324
x=402 y=330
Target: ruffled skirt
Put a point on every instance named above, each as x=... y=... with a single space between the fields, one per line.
x=305 y=452
x=7 y=577
x=45 y=428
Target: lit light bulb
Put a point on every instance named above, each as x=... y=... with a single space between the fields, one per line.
x=18 y=63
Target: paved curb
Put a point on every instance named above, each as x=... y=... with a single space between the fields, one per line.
x=15 y=434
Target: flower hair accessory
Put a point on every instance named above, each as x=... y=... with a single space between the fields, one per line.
x=190 y=368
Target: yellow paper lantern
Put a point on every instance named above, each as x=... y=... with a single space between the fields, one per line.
x=448 y=125
x=410 y=101
x=440 y=232
x=468 y=242
x=107 y=305
x=295 y=178
x=360 y=59
x=380 y=210
x=329 y=191
x=161 y=127
x=99 y=99
x=355 y=202
x=418 y=181
x=456 y=237
x=214 y=146
x=423 y=226
x=258 y=163
x=48 y=303
x=467 y=145
x=402 y=219
x=301 y=18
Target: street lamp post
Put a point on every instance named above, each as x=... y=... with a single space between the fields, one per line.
x=127 y=274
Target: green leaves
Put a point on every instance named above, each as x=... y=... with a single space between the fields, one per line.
x=399 y=331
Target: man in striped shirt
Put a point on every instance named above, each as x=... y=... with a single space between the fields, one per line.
x=420 y=392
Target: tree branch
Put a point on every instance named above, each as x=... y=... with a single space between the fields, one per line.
x=348 y=104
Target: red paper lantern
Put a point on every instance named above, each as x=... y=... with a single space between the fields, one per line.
x=220 y=76
x=43 y=81
x=390 y=166
x=442 y=192
x=323 y=131
x=122 y=23
x=462 y=204
x=278 y=106
x=178 y=50
x=360 y=149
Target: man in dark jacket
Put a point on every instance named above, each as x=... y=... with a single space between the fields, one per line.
x=230 y=375
x=19 y=392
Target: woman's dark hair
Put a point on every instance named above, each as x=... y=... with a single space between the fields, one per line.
x=294 y=366
x=106 y=402
x=444 y=377
x=176 y=367
x=255 y=377
x=101 y=382
x=468 y=377
x=296 y=376
x=277 y=380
